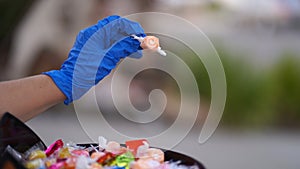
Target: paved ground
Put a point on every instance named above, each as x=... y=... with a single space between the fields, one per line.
x=226 y=149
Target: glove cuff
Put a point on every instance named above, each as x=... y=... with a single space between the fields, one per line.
x=63 y=82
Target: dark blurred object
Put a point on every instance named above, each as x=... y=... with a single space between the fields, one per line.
x=9 y=160
x=16 y=134
x=11 y=13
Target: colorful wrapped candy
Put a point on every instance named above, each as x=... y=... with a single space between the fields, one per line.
x=37 y=154
x=107 y=155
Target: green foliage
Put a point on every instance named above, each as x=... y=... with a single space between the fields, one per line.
x=214 y=6
x=268 y=98
x=256 y=98
x=284 y=91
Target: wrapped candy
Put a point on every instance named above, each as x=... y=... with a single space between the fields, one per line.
x=95 y=166
x=58 y=165
x=106 y=159
x=64 y=153
x=70 y=163
x=102 y=143
x=49 y=162
x=151 y=43
x=145 y=164
x=96 y=155
x=115 y=148
x=37 y=154
x=80 y=153
x=53 y=147
x=124 y=160
x=155 y=154
x=82 y=163
x=134 y=145
x=108 y=155
x=111 y=146
x=33 y=164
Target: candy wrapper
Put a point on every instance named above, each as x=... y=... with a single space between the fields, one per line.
x=134 y=154
x=150 y=43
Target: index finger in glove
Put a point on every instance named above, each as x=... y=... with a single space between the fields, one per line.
x=128 y=27
x=84 y=35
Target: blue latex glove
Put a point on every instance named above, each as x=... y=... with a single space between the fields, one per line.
x=96 y=51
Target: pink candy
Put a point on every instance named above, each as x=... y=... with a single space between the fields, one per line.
x=53 y=147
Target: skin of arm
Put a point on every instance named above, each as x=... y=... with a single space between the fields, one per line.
x=27 y=97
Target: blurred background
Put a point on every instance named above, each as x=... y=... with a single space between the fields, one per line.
x=257 y=41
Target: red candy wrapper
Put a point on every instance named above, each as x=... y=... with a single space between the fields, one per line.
x=53 y=147
x=134 y=144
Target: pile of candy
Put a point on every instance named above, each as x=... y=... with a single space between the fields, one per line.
x=107 y=155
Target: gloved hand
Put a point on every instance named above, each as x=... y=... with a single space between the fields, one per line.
x=96 y=51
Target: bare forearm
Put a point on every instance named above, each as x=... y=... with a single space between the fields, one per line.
x=25 y=98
